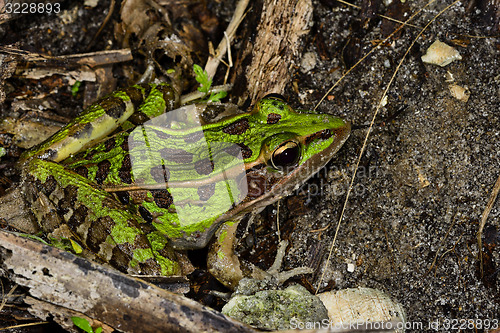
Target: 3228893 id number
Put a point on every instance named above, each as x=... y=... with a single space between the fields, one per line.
x=32 y=8
x=465 y=324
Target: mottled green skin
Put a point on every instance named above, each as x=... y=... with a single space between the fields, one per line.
x=206 y=165
x=102 y=204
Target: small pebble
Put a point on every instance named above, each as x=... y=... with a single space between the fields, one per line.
x=460 y=93
x=440 y=54
x=308 y=62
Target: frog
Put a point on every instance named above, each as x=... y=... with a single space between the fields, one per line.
x=138 y=179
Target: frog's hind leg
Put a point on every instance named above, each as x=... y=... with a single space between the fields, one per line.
x=121 y=109
x=97 y=220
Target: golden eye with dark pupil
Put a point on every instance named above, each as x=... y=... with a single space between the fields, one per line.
x=285 y=155
x=275 y=96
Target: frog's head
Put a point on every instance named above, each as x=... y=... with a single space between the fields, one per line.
x=287 y=149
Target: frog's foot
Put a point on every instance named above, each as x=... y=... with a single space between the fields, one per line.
x=274 y=270
x=226 y=267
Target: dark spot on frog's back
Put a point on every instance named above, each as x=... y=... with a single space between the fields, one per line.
x=135 y=95
x=146 y=214
x=49 y=186
x=162 y=198
x=273 y=118
x=124 y=172
x=71 y=193
x=119 y=259
x=204 y=166
x=77 y=218
x=102 y=171
x=82 y=171
x=160 y=174
x=205 y=192
x=113 y=106
x=83 y=132
x=98 y=233
x=237 y=128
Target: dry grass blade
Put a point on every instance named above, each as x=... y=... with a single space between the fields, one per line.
x=213 y=61
x=4 y=299
x=484 y=217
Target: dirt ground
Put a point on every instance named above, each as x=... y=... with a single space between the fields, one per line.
x=428 y=170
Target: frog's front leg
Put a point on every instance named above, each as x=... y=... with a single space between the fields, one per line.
x=226 y=267
x=97 y=220
x=222 y=262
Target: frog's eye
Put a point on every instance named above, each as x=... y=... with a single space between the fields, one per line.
x=287 y=154
x=275 y=96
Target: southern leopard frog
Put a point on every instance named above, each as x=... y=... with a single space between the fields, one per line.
x=134 y=177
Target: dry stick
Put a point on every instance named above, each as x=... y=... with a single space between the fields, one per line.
x=213 y=61
x=371 y=126
x=198 y=94
x=486 y=212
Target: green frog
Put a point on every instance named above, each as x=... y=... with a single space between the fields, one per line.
x=137 y=179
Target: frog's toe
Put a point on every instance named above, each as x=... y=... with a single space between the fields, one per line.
x=274 y=270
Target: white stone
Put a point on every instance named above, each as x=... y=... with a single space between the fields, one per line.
x=440 y=54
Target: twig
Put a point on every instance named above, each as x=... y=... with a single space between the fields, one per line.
x=213 y=61
x=198 y=94
x=486 y=212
